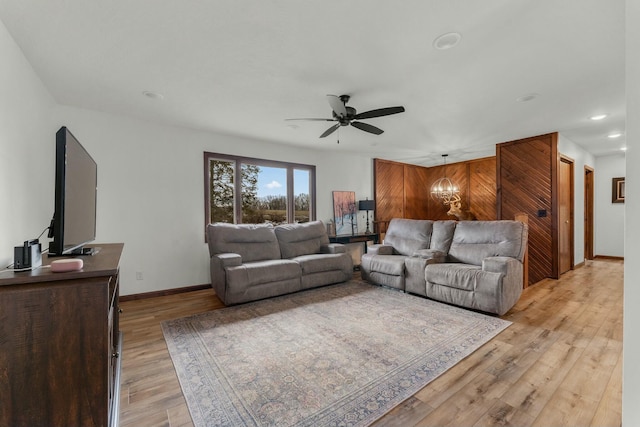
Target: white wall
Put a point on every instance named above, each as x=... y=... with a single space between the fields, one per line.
x=26 y=150
x=151 y=194
x=581 y=158
x=631 y=350
x=609 y=217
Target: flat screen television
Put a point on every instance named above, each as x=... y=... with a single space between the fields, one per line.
x=74 y=219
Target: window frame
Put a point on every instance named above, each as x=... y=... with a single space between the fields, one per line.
x=237 y=183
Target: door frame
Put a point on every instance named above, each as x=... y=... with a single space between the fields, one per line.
x=589 y=182
x=569 y=161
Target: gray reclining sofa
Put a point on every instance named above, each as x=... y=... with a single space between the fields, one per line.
x=256 y=261
x=473 y=264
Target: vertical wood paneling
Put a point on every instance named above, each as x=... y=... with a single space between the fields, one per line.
x=388 y=182
x=482 y=188
x=525 y=183
x=416 y=192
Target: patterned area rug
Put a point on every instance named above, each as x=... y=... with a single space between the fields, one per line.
x=342 y=355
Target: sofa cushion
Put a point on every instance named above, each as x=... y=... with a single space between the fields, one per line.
x=474 y=241
x=253 y=242
x=442 y=235
x=467 y=277
x=301 y=239
x=387 y=264
x=254 y=273
x=408 y=235
x=317 y=263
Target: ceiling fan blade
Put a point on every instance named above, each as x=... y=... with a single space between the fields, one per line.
x=337 y=105
x=379 y=112
x=367 y=127
x=331 y=130
x=314 y=119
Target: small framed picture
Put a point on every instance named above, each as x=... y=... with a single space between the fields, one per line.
x=617 y=190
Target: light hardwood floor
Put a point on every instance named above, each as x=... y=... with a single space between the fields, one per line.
x=559 y=364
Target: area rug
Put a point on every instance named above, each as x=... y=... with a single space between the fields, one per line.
x=342 y=355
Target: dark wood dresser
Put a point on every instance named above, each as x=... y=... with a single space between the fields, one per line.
x=60 y=344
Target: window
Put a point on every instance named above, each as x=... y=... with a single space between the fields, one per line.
x=248 y=190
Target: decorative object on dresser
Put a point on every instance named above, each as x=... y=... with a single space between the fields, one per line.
x=61 y=343
x=338 y=355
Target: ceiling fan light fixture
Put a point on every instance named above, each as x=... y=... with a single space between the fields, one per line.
x=447 y=41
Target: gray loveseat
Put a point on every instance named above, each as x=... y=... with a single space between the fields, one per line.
x=473 y=264
x=256 y=261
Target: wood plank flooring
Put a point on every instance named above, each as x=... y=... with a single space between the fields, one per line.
x=559 y=364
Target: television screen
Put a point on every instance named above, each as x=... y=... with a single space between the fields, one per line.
x=74 y=219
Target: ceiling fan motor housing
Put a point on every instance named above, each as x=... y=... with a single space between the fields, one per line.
x=344 y=121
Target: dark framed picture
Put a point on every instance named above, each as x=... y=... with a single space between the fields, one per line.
x=617 y=190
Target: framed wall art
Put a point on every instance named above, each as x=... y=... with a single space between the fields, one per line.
x=617 y=190
x=344 y=212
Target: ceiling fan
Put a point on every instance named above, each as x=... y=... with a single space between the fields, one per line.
x=348 y=115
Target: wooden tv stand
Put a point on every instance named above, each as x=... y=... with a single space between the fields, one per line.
x=61 y=343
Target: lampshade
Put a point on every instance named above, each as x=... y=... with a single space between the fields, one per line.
x=366 y=205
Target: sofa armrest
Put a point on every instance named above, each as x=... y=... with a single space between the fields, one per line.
x=229 y=259
x=432 y=255
x=218 y=275
x=380 y=249
x=500 y=264
x=333 y=248
x=511 y=283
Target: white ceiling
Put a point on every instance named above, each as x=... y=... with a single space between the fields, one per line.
x=242 y=67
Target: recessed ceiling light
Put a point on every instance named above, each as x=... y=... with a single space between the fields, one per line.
x=615 y=135
x=598 y=117
x=623 y=149
x=153 y=95
x=528 y=97
x=447 y=41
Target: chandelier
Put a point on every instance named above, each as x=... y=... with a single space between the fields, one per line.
x=444 y=190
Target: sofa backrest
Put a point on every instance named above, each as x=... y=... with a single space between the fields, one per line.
x=474 y=241
x=254 y=242
x=442 y=235
x=408 y=235
x=301 y=239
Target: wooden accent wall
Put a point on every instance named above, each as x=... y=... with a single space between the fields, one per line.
x=388 y=183
x=416 y=191
x=482 y=188
x=402 y=190
x=527 y=182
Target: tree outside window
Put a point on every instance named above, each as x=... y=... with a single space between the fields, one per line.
x=248 y=190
